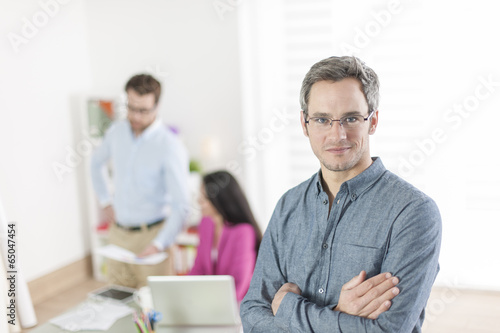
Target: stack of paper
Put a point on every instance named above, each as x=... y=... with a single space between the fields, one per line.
x=92 y=315
x=120 y=254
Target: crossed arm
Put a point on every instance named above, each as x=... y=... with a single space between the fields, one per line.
x=358 y=297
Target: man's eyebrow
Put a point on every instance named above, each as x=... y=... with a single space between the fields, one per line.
x=352 y=113
x=321 y=114
x=328 y=115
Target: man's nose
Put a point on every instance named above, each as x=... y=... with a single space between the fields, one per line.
x=337 y=130
x=134 y=115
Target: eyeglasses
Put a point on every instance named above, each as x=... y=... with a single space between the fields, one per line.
x=140 y=111
x=348 y=123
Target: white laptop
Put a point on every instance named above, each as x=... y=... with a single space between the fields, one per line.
x=204 y=300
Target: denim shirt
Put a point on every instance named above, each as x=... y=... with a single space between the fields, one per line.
x=377 y=223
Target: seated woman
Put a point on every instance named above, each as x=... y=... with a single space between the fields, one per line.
x=229 y=234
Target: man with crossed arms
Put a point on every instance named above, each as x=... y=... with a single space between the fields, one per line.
x=339 y=243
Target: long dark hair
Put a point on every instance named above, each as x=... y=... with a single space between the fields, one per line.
x=226 y=195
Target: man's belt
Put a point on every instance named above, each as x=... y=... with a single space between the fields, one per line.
x=138 y=228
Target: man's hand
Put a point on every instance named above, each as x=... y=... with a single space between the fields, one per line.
x=149 y=250
x=278 y=297
x=370 y=298
x=109 y=214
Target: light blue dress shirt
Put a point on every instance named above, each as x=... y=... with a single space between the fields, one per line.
x=149 y=177
x=377 y=223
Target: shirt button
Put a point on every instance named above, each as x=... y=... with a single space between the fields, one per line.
x=353 y=196
x=325 y=202
x=325 y=246
x=321 y=290
x=338 y=201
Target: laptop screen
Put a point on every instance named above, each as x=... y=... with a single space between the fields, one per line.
x=204 y=300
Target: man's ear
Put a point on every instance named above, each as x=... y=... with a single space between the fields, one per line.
x=373 y=123
x=303 y=123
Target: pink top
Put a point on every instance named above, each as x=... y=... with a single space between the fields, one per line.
x=236 y=254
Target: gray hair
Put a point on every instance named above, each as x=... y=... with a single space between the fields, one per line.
x=338 y=68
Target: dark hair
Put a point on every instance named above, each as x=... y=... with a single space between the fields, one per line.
x=226 y=195
x=144 y=84
x=338 y=68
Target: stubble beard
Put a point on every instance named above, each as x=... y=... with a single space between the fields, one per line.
x=342 y=165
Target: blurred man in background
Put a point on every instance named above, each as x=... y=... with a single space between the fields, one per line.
x=149 y=168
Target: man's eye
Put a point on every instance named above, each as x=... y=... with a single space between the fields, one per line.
x=321 y=121
x=351 y=120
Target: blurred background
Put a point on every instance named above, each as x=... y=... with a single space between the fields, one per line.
x=231 y=72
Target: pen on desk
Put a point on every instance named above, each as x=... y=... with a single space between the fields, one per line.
x=138 y=327
x=136 y=323
x=154 y=317
x=145 y=318
x=140 y=324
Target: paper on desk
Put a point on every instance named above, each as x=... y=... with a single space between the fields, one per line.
x=92 y=315
x=119 y=253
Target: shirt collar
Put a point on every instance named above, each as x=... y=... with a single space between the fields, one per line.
x=361 y=182
x=157 y=123
x=153 y=127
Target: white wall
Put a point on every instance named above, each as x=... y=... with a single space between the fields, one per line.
x=38 y=86
x=91 y=48
x=190 y=49
x=462 y=172
x=428 y=61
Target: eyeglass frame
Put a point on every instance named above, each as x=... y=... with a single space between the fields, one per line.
x=339 y=120
x=140 y=111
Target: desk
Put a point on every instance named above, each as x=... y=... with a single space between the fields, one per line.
x=123 y=325
x=216 y=329
x=126 y=325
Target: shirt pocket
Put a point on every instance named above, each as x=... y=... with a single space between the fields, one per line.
x=355 y=258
